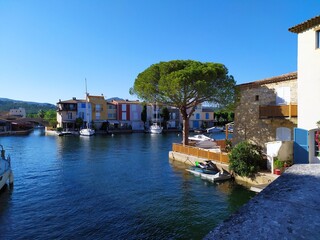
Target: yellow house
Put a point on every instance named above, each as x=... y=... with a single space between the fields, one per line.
x=99 y=109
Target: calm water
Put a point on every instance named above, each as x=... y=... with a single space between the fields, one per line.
x=104 y=187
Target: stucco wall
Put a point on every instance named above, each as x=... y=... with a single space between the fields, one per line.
x=308 y=79
x=248 y=126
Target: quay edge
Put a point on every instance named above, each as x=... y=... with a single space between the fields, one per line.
x=260 y=181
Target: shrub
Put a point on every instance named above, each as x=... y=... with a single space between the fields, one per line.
x=244 y=159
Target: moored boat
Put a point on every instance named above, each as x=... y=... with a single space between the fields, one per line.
x=6 y=174
x=155 y=128
x=220 y=176
x=87 y=132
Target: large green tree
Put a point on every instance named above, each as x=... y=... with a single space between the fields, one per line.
x=185 y=84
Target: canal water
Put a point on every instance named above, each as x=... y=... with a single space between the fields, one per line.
x=108 y=187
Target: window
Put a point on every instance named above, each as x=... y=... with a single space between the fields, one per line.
x=283 y=95
x=197 y=116
x=207 y=115
x=257 y=98
x=124 y=107
x=97 y=115
x=318 y=39
x=69 y=115
x=124 y=116
x=81 y=115
x=283 y=134
x=83 y=105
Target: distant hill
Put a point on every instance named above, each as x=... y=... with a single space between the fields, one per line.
x=30 y=107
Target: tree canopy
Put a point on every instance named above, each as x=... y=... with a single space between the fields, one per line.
x=185 y=84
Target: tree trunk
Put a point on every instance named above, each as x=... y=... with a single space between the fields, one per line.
x=185 y=128
x=185 y=131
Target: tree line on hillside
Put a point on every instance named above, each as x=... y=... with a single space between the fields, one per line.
x=30 y=107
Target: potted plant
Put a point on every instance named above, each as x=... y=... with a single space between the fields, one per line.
x=278 y=166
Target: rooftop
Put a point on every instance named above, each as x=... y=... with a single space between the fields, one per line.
x=305 y=25
x=284 y=77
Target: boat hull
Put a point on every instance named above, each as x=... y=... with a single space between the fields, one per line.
x=87 y=132
x=220 y=176
x=5 y=178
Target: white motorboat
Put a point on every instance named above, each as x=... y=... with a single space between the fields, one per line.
x=155 y=128
x=202 y=141
x=220 y=176
x=87 y=132
x=200 y=138
x=214 y=129
x=6 y=174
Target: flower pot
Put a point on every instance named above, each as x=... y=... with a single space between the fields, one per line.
x=277 y=171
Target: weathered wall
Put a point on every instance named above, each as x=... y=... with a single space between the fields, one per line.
x=248 y=126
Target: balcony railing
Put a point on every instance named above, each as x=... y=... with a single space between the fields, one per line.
x=278 y=111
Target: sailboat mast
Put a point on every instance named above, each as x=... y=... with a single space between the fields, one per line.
x=87 y=117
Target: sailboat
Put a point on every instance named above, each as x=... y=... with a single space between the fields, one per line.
x=87 y=131
x=155 y=128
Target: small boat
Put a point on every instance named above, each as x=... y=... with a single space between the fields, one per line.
x=202 y=141
x=214 y=129
x=87 y=132
x=200 y=137
x=6 y=174
x=155 y=128
x=220 y=176
x=64 y=133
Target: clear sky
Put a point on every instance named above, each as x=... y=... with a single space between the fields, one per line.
x=49 y=47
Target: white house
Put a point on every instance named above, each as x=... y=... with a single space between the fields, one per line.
x=307 y=140
x=308 y=72
x=18 y=112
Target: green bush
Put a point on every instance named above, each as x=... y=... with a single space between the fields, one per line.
x=244 y=159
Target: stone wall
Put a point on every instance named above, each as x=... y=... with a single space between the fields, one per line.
x=248 y=126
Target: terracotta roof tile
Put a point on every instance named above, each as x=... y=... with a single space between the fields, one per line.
x=305 y=25
x=284 y=77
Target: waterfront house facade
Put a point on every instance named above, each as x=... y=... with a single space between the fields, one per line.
x=67 y=113
x=266 y=110
x=203 y=117
x=307 y=140
x=174 y=121
x=18 y=112
x=128 y=113
x=84 y=111
x=309 y=71
x=98 y=110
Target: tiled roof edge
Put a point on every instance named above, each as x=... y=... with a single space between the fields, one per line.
x=305 y=25
x=284 y=77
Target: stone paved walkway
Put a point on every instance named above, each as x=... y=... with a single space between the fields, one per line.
x=289 y=208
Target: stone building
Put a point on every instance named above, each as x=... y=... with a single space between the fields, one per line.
x=266 y=110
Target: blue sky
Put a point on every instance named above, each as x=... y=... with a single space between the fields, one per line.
x=48 y=48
